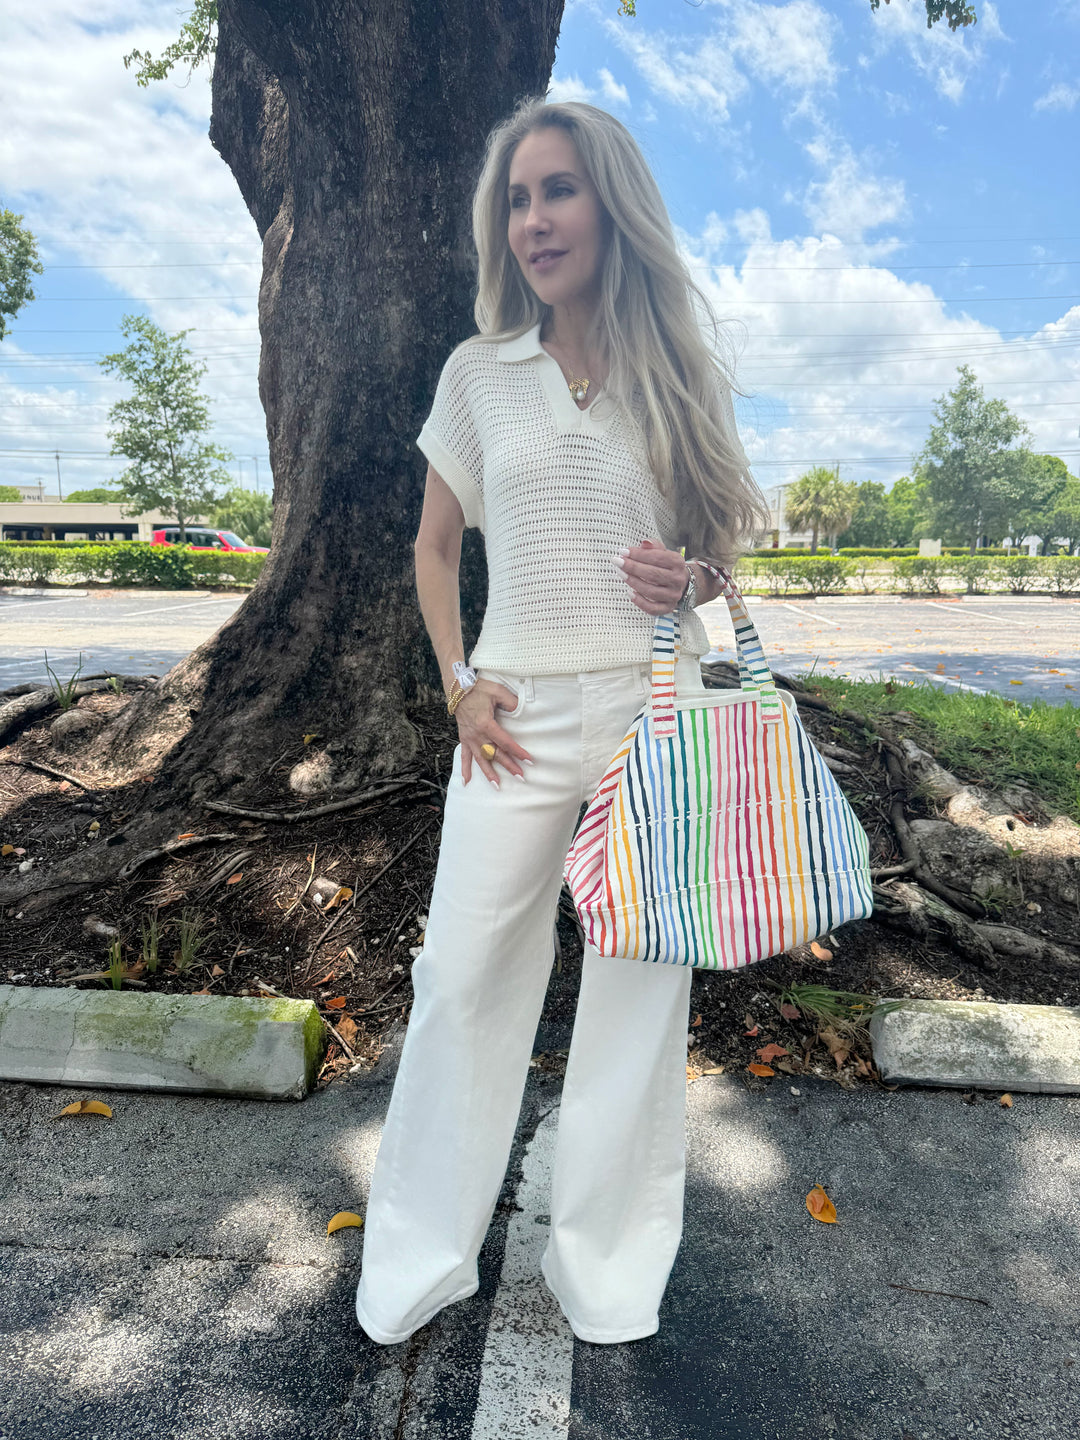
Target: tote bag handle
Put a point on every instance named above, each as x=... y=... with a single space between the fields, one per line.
x=754 y=672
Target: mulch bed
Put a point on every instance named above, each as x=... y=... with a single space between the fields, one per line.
x=255 y=901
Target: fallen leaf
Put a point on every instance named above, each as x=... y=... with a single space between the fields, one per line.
x=754 y=1031
x=129 y=972
x=204 y=991
x=695 y=1022
x=347 y=1029
x=756 y=1069
x=786 y=1067
x=838 y=1047
x=342 y=1219
x=217 y=970
x=1006 y=1100
x=235 y=879
x=313 y=736
x=819 y=951
x=327 y=979
x=95 y=826
x=337 y=1003
x=343 y=894
x=770 y=1052
x=187 y=835
x=820 y=1206
x=939 y=668
x=748 y=1019
x=789 y=1012
x=1016 y=682
x=85 y=1107
x=713 y=1070
x=7 y=849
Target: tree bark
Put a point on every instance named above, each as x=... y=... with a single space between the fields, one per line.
x=355 y=131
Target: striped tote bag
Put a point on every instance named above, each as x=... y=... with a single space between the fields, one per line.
x=718 y=835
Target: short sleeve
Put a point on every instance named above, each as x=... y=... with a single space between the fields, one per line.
x=449 y=438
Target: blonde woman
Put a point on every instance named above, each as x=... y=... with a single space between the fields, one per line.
x=588 y=431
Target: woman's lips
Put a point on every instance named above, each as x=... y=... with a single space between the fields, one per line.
x=547 y=262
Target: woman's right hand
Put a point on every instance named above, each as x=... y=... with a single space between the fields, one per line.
x=477 y=725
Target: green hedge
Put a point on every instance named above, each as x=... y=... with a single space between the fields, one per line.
x=912 y=574
x=173 y=567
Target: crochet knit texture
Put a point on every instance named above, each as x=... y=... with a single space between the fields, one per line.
x=557 y=492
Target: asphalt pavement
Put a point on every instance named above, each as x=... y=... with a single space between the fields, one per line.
x=166 y=1272
x=1020 y=646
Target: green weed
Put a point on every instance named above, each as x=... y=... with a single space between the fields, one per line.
x=63 y=690
x=188 y=930
x=985 y=739
x=151 y=937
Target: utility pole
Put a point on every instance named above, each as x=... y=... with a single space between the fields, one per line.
x=256 y=459
x=59 y=486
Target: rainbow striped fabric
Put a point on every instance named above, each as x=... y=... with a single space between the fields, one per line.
x=718 y=835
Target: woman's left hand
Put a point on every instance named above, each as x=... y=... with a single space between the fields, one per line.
x=656 y=576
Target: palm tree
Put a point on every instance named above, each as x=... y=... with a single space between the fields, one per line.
x=820 y=501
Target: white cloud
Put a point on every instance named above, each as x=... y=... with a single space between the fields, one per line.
x=854 y=377
x=785 y=45
x=612 y=91
x=697 y=74
x=850 y=199
x=1059 y=97
x=948 y=59
x=569 y=87
x=123 y=182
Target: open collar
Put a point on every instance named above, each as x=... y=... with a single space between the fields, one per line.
x=523 y=347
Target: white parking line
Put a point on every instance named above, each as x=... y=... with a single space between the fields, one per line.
x=966 y=610
x=944 y=680
x=811 y=614
x=164 y=609
x=529 y=1354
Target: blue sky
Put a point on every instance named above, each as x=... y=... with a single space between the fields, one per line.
x=870 y=204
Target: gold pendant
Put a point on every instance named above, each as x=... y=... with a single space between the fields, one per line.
x=579 y=388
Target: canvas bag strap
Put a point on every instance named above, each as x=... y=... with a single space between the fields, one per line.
x=754 y=672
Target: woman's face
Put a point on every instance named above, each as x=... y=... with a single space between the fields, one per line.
x=555 y=207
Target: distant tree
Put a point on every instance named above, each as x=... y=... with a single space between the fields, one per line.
x=820 y=502
x=18 y=261
x=1031 y=499
x=248 y=512
x=102 y=495
x=10 y=494
x=910 y=511
x=870 y=518
x=1063 y=521
x=974 y=479
x=161 y=425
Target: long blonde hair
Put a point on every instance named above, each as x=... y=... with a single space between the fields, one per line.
x=646 y=326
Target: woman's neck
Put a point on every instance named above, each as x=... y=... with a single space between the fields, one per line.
x=568 y=325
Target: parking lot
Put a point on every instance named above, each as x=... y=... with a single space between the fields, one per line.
x=1020 y=646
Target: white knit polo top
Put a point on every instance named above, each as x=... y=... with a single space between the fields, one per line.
x=557 y=492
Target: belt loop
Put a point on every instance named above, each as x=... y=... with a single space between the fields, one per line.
x=530 y=691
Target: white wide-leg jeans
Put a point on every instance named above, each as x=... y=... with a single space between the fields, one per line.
x=479 y=984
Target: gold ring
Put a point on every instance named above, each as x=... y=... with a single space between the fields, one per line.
x=488 y=751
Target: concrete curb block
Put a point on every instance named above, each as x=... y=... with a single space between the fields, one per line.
x=978 y=1045
x=205 y=1044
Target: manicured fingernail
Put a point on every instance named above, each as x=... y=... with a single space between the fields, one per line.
x=494 y=782
x=624 y=552
x=519 y=777
x=528 y=762
x=620 y=562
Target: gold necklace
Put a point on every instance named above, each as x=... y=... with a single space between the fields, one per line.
x=577 y=385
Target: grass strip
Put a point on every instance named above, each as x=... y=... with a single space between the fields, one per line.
x=984 y=739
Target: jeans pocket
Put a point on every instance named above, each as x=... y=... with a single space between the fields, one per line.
x=516 y=683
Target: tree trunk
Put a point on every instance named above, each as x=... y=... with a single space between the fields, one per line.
x=355 y=132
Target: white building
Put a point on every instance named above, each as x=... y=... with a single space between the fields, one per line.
x=50 y=519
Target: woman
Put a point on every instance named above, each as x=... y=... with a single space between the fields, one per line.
x=588 y=430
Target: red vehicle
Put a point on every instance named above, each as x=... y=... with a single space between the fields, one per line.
x=200 y=538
